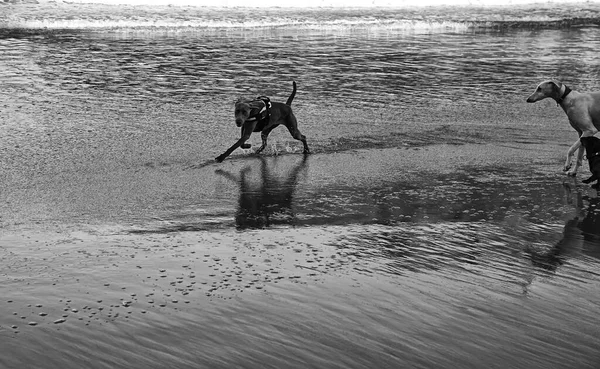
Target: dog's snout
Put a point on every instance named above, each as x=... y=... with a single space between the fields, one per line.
x=534 y=97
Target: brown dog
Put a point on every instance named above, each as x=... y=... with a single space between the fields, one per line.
x=262 y=116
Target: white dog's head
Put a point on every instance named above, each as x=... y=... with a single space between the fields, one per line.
x=546 y=89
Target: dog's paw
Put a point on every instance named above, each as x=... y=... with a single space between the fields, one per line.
x=219 y=158
x=572 y=173
x=246 y=146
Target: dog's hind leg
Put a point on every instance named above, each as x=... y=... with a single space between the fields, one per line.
x=292 y=126
x=580 y=154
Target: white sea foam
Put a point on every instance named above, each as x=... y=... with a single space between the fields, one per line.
x=325 y=3
x=336 y=25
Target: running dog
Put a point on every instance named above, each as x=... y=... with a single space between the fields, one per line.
x=582 y=109
x=592 y=152
x=262 y=115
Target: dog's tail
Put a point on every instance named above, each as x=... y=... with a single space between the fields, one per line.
x=291 y=98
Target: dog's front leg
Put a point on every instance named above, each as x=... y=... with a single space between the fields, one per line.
x=246 y=145
x=239 y=143
x=246 y=132
x=264 y=134
x=569 y=168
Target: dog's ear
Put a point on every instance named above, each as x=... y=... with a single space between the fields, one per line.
x=242 y=99
x=556 y=86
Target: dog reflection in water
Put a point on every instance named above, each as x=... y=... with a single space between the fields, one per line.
x=267 y=201
x=581 y=234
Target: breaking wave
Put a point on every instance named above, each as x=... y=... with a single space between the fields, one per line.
x=316 y=3
x=95 y=17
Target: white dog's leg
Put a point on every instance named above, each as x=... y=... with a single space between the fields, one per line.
x=569 y=167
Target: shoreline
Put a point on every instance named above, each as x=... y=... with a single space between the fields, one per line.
x=289 y=189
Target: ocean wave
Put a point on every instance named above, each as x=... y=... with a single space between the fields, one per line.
x=433 y=19
x=116 y=24
x=401 y=25
x=318 y=3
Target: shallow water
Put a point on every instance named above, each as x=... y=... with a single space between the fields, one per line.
x=431 y=227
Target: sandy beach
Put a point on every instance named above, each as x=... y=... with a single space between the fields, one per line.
x=431 y=227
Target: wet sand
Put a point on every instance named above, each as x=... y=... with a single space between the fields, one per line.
x=457 y=255
x=292 y=298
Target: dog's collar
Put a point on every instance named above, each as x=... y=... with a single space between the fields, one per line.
x=564 y=91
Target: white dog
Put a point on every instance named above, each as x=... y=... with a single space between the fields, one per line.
x=582 y=109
